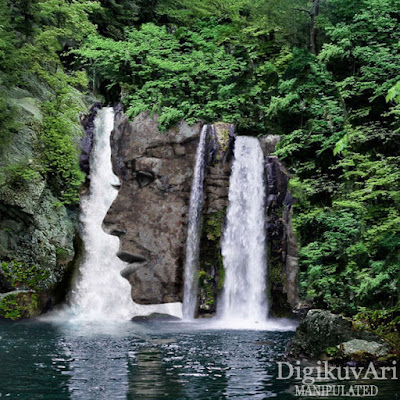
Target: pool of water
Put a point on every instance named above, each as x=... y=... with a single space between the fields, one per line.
x=138 y=361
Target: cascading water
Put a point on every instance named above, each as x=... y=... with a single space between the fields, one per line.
x=244 y=241
x=101 y=292
x=194 y=227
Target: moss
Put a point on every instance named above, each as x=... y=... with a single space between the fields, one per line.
x=212 y=225
x=20 y=305
x=62 y=254
x=222 y=131
x=22 y=276
x=277 y=278
x=211 y=264
x=221 y=277
x=206 y=286
x=332 y=351
x=384 y=323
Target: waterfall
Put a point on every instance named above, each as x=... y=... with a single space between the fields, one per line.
x=101 y=293
x=244 y=240
x=194 y=230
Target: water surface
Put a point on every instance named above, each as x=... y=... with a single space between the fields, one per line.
x=139 y=361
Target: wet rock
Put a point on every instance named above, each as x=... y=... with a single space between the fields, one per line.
x=150 y=212
x=216 y=188
x=281 y=241
x=321 y=329
x=155 y=317
x=86 y=144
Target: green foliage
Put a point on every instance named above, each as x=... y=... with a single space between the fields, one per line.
x=62 y=254
x=114 y=16
x=340 y=141
x=206 y=287
x=60 y=150
x=332 y=351
x=22 y=276
x=207 y=70
x=9 y=308
x=394 y=93
x=385 y=323
x=32 y=37
x=275 y=276
x=181 y=75
x=19 y=305
x=16 y=175
x=211 y=257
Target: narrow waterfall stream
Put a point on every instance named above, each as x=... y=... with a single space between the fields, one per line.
x=194 y=227
x=101 y=293
x=244 y=240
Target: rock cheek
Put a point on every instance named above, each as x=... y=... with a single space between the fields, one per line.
x=150 y=212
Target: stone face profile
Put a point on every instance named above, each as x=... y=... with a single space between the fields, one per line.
x=150 y=212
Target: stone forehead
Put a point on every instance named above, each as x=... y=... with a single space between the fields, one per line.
x=143 y=134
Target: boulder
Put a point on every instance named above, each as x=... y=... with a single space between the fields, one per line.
x=156 y=317
x=356 y=347
x=321 y=329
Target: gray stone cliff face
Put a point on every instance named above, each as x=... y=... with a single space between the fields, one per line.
x=37 y=232
x=150 y=212
x=281 y=240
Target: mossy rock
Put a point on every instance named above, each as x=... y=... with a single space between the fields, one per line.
x=321 y=329
x=20 y=305
x=22 y=276
x=212 y=273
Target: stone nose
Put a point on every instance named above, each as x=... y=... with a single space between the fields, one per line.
x=112 y=224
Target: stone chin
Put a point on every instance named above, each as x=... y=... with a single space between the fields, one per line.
x=150 y=212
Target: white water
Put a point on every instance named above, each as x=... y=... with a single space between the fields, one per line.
x=194 y=228
x=101 y=292
x=243 y=301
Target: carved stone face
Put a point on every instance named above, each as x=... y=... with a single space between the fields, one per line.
x=150 y=212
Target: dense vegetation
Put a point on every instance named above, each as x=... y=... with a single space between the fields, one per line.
x=33 y=36
x=323 y=74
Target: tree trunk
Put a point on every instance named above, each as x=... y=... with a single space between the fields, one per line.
x=313 y=30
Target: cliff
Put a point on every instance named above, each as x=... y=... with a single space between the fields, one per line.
x=38 y=229
x=150 y=213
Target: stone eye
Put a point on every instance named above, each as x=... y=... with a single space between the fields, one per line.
x=144 y=178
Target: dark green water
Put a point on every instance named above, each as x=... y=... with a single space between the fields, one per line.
x=65 y=360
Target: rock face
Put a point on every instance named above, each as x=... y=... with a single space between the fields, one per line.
x=87 y=141
x=216 y=187
x=37 y=232
x=281 y=241
x=321 y=329
x=150 y=212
